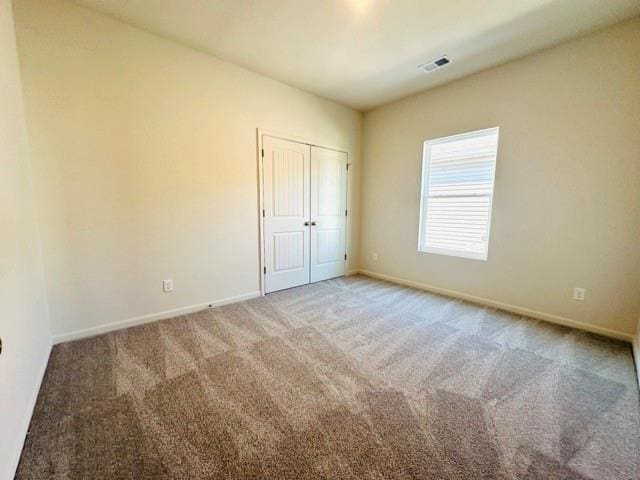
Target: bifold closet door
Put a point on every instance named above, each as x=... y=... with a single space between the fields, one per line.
x=286 y=173
x=328 y=213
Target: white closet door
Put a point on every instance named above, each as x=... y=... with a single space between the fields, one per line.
x=286 y=169
x=328 y=213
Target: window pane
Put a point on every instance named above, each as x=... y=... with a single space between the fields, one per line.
x=458 y=177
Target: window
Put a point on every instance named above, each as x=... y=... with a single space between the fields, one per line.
x=457 y=189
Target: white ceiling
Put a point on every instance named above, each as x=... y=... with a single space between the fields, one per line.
x=364 y=53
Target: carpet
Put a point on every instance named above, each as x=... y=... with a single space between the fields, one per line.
x=352 y=378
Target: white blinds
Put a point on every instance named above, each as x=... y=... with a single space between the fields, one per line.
x=457 y=188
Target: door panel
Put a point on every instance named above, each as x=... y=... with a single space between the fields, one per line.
x=289 y=251
x=328 y=213
x=286 y=190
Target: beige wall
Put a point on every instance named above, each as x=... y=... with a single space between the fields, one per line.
x=145 y=164
x=24 y=324
x=567 y=195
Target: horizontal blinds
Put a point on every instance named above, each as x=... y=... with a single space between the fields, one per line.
x=459 y=186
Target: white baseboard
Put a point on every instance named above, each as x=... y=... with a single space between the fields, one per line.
x=21 y=434
x=132 y=322
x=548 y=317
x=636 y=355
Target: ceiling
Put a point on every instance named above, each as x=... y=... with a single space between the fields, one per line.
x=364 y=53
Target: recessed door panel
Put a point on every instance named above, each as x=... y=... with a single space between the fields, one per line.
x=288 y=251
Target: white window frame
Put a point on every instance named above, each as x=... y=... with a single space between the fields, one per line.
x=424 y=198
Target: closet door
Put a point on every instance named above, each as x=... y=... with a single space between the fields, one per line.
x=286 y=190
x=328 y=213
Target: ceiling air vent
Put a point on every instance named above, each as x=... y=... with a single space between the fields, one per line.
x=435 y=64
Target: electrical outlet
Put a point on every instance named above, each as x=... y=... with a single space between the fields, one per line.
x=374 y=257
x=578 y=294
x=167 y=286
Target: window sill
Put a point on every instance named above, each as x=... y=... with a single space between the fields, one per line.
x=455 y=253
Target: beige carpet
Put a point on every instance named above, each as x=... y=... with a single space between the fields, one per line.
x=348 y=379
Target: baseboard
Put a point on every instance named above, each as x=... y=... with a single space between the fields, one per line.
x=636 y=355
x=153 y=317
x=31 y=405
x=548 y=317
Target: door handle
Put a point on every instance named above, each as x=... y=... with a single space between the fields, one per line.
x=306 y=224
x=313 y=224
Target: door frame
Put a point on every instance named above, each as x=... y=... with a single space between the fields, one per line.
x=260 y=132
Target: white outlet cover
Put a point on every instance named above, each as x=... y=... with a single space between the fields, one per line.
x=375 y=257
x=167 y=286
x=579 y=294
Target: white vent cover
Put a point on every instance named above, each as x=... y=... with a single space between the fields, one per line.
x=435 y=64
